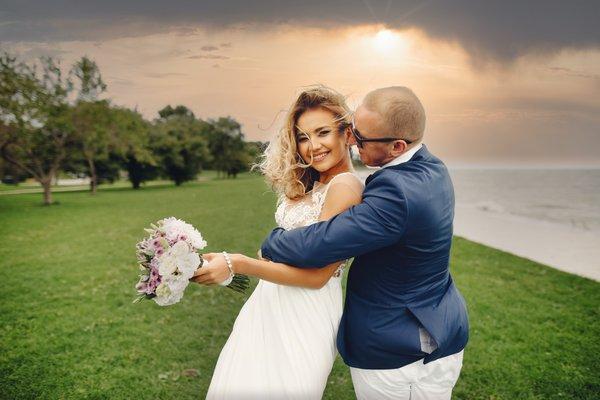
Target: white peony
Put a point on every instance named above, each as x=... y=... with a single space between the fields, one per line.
x=174 y=229
x=180 y=259
x=189 y=264
x=180 y=249
x=167 y=264
x=168 y=294
x=163 y=290
x=177 y=284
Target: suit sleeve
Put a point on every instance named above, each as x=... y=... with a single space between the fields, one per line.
x=377 y=222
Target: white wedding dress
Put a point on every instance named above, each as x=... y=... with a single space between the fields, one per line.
x=282 y=345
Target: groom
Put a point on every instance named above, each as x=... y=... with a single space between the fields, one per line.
x=405 y=323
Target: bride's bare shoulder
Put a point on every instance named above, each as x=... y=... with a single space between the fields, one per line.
x=344 y=191
x=349 y=179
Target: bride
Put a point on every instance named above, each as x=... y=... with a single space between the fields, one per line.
x=282 y=345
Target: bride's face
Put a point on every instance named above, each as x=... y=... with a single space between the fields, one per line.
x=320 y=142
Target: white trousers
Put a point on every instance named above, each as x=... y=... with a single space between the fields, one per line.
x=416 y=381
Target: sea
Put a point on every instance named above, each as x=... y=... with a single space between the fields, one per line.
x=569 y=197
x=548 y=215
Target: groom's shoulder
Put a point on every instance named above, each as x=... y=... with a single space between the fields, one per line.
x=383 y=177
x=422 y=162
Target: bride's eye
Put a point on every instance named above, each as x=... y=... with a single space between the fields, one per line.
x=301 y=139
x=324 y=133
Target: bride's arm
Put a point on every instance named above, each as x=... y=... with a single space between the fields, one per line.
x=282 y=274
x=341 y=195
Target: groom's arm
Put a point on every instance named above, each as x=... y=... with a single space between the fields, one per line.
x=377 y=222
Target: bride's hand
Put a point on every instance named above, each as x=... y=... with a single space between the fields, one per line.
x=213 y=271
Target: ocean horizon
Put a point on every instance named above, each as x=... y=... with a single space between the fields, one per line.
x=549 y=215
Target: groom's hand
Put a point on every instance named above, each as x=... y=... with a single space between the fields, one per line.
x=213 y=271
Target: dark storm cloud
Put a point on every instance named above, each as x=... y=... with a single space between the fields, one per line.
x=498 y=29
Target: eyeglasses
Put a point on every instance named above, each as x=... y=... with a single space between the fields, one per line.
x=361 y=139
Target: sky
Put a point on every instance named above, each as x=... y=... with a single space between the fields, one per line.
x=507 y=83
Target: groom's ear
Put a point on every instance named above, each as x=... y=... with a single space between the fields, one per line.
x=399 y=147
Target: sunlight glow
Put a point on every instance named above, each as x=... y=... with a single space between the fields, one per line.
x=386 y=40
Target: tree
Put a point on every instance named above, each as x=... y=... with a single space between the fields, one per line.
x=94 y=133
x=109 y=169
x=33 y=109
x=180 y=144
x=91 y=118
x=134 y=146
x=178 y=111
x=91 y=85
x=227 y=145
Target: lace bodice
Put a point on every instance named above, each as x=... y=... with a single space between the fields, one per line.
x=292 y=214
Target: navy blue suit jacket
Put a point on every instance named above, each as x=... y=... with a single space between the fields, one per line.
x=399 y=282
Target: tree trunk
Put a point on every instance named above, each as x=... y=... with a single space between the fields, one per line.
x=93 y=176
x=47 y=183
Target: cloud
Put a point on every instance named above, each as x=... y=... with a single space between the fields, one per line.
x=226 y=45
x=574 y=73
x=209 y=48
x=164 y=74
x=113 y=80
x=208 y=56
x=499 y=30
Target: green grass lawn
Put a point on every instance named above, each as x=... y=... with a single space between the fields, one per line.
x=68 y=328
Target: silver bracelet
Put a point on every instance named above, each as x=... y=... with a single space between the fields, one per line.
x=229 y=265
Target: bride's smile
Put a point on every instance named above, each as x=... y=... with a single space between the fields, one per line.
x=319 y=157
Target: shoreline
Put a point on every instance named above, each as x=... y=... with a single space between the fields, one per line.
x=556 y=245
x=568 y=249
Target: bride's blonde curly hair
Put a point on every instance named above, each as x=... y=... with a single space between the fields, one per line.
x=281 y=163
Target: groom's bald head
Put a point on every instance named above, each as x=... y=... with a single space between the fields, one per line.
x=402 y=114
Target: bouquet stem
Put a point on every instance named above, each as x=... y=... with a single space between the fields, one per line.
x=239 y=283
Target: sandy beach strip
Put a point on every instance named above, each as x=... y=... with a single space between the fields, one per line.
x=569 y=249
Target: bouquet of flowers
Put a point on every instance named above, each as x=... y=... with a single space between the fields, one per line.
x=168 y=259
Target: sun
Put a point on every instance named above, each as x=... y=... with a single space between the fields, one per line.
x=386 y=40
